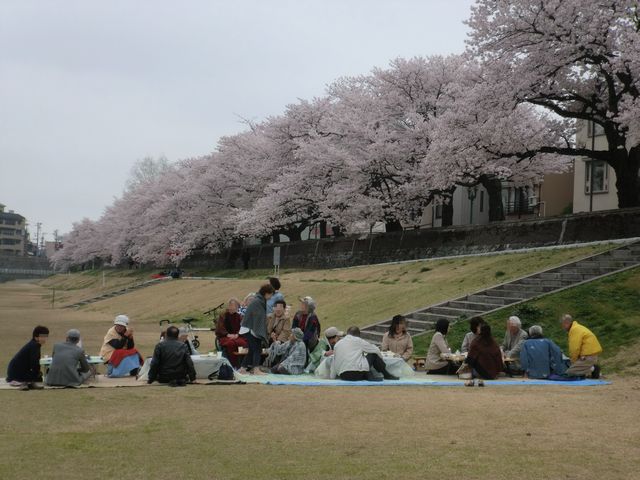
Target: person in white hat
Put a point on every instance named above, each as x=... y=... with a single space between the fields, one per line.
x=118 y=349
x=324 y=348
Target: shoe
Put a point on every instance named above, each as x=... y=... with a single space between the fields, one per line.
x=481 y=383
x=469 y=383
x=35 y=386
x=596 y=371
x=181 y=383
x=388 y=376
x=24 y=387
x=173 y=383
x=134 y=372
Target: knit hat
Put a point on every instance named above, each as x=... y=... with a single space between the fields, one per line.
x=121 y=320
x=73 y=333
x=333 y=332
x=299 y=334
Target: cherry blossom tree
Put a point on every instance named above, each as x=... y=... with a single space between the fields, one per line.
x=576 y=59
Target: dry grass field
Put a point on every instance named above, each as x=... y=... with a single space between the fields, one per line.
x=255 y=431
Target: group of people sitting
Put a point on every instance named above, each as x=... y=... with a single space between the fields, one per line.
x=273 y=342
x=522 y=353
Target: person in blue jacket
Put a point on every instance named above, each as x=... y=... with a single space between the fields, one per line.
x=540 y=357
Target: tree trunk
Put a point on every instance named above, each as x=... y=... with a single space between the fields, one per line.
x=337 y=232
x=294 y=234
x=493 y=186
x=447 y=213
x=627 y=181
x=393 y=226
x=323 y=229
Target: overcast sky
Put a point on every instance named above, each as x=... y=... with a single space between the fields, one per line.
x=88 y=87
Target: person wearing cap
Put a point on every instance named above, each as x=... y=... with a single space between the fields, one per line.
x=514 y=337
x=228 y=332
x=118 y=349
x=171 y=362
x=324 y=348
x=397 y=340
x=69 y=366
x=24 y=368
x=293 y=354
x=306 y=320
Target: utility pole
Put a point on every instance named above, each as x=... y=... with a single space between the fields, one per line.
x=38 y=226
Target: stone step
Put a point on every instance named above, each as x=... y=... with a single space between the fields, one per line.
x=539 y=281
x=510 y=294
x=455 y=312
x=429 y=316
x=539 y=288
x=372 y=336
x=495 y=301
x=466 y=305
x=420 y=324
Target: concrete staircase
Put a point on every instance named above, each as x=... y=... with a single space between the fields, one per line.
x=511 y=293
x=117 y=293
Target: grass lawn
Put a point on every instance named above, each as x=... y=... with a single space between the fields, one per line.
x=257 y=431
x=610 y=307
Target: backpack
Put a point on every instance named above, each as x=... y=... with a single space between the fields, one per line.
x=225 y=372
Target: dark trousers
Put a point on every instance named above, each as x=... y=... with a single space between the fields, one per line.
x=374 y=361
x=254 y=355
x=448 y=369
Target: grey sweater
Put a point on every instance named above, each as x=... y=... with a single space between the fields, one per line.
x=67 y=359
x=255 y=318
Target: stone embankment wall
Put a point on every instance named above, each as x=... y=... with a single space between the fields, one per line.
x=432 y=242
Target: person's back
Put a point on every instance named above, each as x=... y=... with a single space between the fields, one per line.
x=541 y=357
x=582 y=342
x=69 y=366
x=24 y=367
x=171 y=361
x=484 y=355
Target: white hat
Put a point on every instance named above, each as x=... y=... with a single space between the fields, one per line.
x=121 y=320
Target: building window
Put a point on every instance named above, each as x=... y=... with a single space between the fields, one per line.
x=481 y=201
x=438 y=211
x=594 y=127
x=600 y=177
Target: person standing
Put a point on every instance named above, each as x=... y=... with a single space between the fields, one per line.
x=255 y=320
x=24 y=368
x=277 y=296
x=584 y=349
x=69 y=366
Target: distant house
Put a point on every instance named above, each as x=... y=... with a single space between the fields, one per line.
x=12 y=233
x=551 y=197
x=594 y=180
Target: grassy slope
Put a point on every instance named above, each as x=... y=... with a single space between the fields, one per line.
x=610 y=307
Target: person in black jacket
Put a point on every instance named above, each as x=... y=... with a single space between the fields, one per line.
x=24 y=367
x=171 y=362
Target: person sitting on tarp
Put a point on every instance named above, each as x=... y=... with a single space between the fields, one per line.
x=324 y=348
x=584 y=349
x=514 y=337
x=306 y=320
x=24 y=368
x=484 y=357
x=397 y=340
x=293 y=354
x=541 y=357
x=69 y=366
x=118 y=349
x=228 y=332
x=355 y=359
x=171 y=362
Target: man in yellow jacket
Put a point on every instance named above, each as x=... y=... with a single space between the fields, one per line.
x=584 y=349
